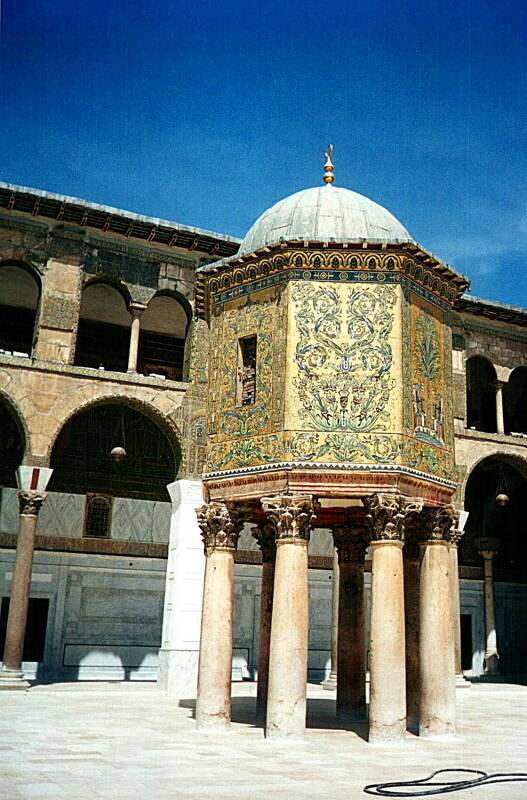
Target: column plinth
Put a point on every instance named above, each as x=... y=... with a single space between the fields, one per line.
x=351 y=645
x=286 y=701
x=387 y=717
x=11 y=675
x=265 y=535
x=436 y=644
x=220 y=528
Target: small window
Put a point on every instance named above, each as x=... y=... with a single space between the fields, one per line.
x=246 y=378
x=98 y=517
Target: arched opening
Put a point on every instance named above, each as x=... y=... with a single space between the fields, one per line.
x=494 y=498
x=515 y=402
x=82 y=461
x=164 y=326
x=103 y=337
x=481 y=395
x=19 y=299
x=12 y=445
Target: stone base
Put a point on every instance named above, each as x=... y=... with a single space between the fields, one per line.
x=178 y=673
x=12 y=679
x=461 y=682
x=330 y=684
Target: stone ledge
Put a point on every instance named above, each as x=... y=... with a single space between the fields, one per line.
x=483 y=436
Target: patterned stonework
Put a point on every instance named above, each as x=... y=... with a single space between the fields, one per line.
x=292 y=515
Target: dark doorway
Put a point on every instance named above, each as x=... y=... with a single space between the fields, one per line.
x=37 y=621
x=466 y=642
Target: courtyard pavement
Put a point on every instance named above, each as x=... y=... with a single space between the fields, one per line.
x=128 y=741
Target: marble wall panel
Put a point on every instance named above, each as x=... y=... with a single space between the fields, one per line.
x=62 y=515
x=140 y=520
x=8 y=511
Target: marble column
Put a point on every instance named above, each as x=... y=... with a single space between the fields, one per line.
x=351 y=645
x=11 y=676
x=330 y=684
x=412 y=564
x=179 y=653
x=220 y=529
x=436 y=647
x=387 y=713
x=500 y=421
x=133 y=351
x=265 y=535
x=286 y=700
x=488 y=549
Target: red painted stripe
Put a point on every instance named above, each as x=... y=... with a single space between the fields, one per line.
x=34 y=478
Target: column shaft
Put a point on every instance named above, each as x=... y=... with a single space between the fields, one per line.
x=133 y=350
x=411 y=561
x=436 y=647
x=491 y=648
x=331 y=682
x=286 y=704
x=500 y=422
x=20 y=588
x=264 y=637
x=387 y=646
x=213 y=706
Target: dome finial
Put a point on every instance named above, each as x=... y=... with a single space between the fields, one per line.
x=328 y=166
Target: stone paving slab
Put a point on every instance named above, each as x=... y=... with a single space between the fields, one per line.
x=128 y=741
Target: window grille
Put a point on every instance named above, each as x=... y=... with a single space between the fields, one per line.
x=98 y=516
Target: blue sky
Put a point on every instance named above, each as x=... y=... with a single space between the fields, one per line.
x=207 y=113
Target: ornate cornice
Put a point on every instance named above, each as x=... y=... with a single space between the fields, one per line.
x=30 y=503
x=220 y=526
x=291 y=514
x=387 y=514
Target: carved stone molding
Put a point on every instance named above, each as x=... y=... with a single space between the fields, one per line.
x=291 y=514
x=351 y=544
x=387 y=514
x=265 y=535
x=220 y=526
x=439 y=524
x=30 y=503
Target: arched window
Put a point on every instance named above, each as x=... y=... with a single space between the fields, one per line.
x=103 y=337
x=19 y=298
x=12 y=445
x=164 y=326
x=515 y=402
x=481 y=395
x=98 y=516
x=83 y=464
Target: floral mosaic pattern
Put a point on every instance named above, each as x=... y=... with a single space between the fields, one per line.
x=344 y=356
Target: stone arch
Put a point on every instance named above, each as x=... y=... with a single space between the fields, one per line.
x=115 y=283
x=103 y=336
x=515 y=401
x=164 y=334
x=16 y=416
x=481 y=394
x=515 y=460
x=164 y=422
x=20 y=303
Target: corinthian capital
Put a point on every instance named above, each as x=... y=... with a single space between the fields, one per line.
x=387 y=513
x=220 y=526
x=30 y=503
x=439 y=524
x=351 y=544
x=291 y=514
x=265 y=535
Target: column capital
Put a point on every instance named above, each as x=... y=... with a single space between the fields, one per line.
x=292 y=515
x=387 y=514
x=30 y=503
x=351 y=545
x=220 y=526
x=439 y=524
x=265 y=535
x=136 y=309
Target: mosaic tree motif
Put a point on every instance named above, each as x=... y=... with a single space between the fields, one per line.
x=427 y=394
x=344 y=356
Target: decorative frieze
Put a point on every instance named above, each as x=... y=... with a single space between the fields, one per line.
x=291 y=514
x=220 y=526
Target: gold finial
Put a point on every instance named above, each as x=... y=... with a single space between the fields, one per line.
x=328 y=166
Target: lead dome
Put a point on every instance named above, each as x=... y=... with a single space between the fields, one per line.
x=324 y=213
